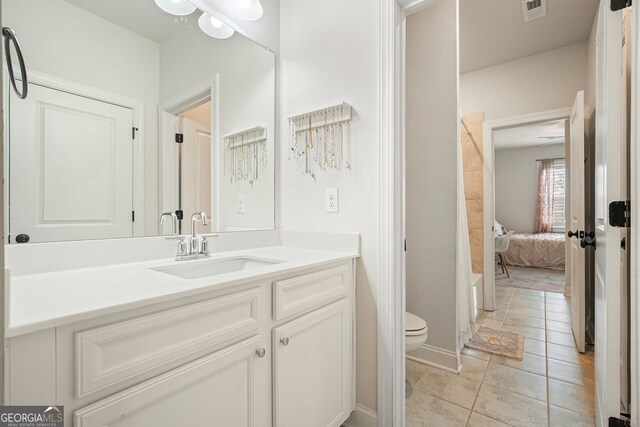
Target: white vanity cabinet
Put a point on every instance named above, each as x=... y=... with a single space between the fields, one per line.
x=274 y=352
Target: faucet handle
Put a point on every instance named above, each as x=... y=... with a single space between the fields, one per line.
x=204 y=246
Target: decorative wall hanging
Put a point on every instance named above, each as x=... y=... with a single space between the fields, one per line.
x=320 y=139
x=245 y=154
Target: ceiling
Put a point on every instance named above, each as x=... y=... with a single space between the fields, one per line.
x=535 y=135
x=142 y=17
x=494 y=31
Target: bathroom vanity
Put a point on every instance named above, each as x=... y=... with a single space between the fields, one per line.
x=268 y=344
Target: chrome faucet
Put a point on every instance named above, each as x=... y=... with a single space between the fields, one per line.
x=194 y=247
x=174 y=221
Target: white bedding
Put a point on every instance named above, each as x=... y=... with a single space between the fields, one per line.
x=540 y=250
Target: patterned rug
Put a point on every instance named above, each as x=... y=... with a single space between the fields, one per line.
x=503 y=343
x=539 y=279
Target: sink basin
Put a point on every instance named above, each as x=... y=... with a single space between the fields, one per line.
x=212 y=267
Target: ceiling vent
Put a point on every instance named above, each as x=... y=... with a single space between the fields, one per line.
x=534 y=9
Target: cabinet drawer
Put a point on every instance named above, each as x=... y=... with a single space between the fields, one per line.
x=293 y=296
x=122 y=351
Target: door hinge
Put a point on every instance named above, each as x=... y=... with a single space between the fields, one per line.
x=133 y=216
x=618 y=422
x=405 y=245
x=620 y=213
x=179 y=138
x=133 y=132
x=180 y=214
x=620 y=4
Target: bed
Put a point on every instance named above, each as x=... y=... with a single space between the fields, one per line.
x=540 y=250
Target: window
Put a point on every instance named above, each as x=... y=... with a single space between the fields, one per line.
x=558 y=205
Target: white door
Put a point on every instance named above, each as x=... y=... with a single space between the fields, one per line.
x=223 y=389
x=576 y=264
x=70 y=167
x=312 y=363
x=196 y=169
x=607 y=189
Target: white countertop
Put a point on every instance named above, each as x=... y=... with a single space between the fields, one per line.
x=44 y=300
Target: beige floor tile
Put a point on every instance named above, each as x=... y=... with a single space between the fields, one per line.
x=510 y=408
x=530 y=363
x=559 y=317
x=453 y=388
x=527 y=331
x=535 y=346
x=472 y=367
x=561 y=338
x=564 y=302
x=522 y=291
x=528 y=297
x=552 y=325
x=573 y=397
x=479 y=420
x=557 y=296
x=414 y=371
x=496 y=315
x=559 y=308
x=518 y=302
x=569 y=372
x=517 y=381
x=519 y=319
x=561 y=417
x=424 y=410
x=482 y=355
x=569 y=354
x=491 y=323
x=527 y=312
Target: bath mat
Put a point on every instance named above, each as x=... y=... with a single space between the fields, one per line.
x=503 y=343
x=538 y=279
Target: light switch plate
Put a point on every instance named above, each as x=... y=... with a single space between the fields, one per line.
x=331 y=200
x=240 y=204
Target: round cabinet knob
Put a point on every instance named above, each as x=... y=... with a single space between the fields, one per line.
x=261 y=352
x=584 y=243
x=22 y=238
x=573 y=234
x=285 y=341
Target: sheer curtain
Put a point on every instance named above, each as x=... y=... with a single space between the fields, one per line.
x=544 y=208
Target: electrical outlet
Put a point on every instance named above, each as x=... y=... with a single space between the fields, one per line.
x=240 y=204
x=331 y=200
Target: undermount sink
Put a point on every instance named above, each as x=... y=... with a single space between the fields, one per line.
x=212 y=267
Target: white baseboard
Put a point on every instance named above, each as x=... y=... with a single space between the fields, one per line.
x=362 y=417
x=437 y=357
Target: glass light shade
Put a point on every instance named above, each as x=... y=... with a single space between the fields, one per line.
x=212 y=26
x=247 y=10
x=176 y=7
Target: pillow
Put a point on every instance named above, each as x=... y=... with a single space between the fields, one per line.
x=498 y=229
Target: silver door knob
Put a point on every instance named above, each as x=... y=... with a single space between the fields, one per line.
x=285 y=341
x=261 y=352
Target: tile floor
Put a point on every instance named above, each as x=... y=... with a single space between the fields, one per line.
x=552 y=386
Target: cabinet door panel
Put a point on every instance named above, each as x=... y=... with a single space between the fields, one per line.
x=222 y=389
x=312 y=368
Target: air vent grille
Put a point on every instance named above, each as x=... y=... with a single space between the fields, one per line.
x=534 y=9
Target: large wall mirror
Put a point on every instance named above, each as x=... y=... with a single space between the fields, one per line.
x=132 y=112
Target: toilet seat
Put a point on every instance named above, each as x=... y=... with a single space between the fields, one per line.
x=414 y=325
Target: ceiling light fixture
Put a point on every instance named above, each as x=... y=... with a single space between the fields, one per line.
x=247 y=10
x=176 y=7
x=213 y=27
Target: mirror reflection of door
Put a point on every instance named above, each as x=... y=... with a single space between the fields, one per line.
x=70 y=168
x=195 y=182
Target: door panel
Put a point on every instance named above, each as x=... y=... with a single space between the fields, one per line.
x=314 y=349
x=576 y=265
x=608 y=188
x=70 y=167
x=196 y=169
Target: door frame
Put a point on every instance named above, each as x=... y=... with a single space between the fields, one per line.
x=167 y=160
x=635 y=218
x=86 y=91
x=488 y=152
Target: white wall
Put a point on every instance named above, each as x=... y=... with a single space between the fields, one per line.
x=329 y=54
x=542 y=82
x=517 y=184
x=432 y=139
x=247 y=99
x=81 y=47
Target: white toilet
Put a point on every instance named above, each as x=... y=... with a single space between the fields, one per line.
x=415 y=332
